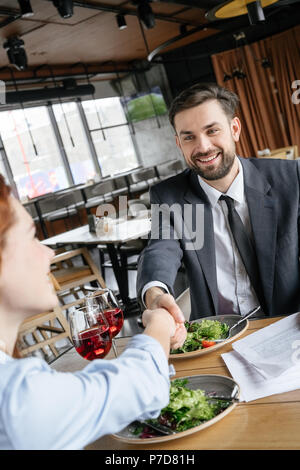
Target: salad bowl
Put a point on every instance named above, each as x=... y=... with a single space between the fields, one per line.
x=229 y=320
x=211 y=385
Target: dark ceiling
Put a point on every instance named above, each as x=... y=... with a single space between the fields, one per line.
x=89 y=43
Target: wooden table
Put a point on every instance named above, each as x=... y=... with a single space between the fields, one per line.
x=268 y=423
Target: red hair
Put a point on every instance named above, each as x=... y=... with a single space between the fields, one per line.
x=6 y=216
x=6 y=219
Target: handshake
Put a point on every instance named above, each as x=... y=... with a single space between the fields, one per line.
x=162 y=309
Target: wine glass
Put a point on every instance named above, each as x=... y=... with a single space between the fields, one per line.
x=106 y=303
x=90 y=332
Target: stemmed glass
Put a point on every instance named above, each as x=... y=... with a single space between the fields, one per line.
x=107 y=304
x=90 y=332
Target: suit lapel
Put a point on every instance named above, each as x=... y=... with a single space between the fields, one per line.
x=206 y=255
x=262 y=211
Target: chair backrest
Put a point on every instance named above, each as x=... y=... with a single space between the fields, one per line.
x=64 y=200
x=99 y=189
x=47 y=204
x=287 y=153
x=142 y=175
x=169 y=168
x=120 y=182
x=69 y=274
x=290 y=152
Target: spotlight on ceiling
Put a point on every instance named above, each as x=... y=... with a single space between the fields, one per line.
x=64 y=7
x=16 y=52
x=145 y=14
x=255 y=12
x=121 y=22
x=25 y=7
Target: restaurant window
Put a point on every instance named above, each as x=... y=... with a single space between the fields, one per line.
x=32 y=151
x=111 y=135
x=74 y=141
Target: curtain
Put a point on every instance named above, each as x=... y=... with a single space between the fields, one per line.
x=269 y=116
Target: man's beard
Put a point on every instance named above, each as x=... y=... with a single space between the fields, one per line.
x=210 y=173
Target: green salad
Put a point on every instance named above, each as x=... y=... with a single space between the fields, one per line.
x=202 y=335
x=186 y=409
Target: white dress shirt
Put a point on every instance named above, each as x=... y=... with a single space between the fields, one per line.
x=236 y=295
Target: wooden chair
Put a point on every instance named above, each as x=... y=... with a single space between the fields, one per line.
x=290 y=152
x=72 y=278
x=42 y=332
x=285 y=153
x=45 y=330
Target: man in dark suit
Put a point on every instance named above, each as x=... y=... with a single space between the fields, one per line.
x=262 y=194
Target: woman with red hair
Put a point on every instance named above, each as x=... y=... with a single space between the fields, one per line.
x=44 y=409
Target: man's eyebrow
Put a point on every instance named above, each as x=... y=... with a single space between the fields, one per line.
x=208 y=126
x=185 y=132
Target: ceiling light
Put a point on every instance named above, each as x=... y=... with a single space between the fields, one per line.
x=25 y=7
x=16 y=52
x=64 y=7
x=121 y=21
x=255 y=12
x=145 y=14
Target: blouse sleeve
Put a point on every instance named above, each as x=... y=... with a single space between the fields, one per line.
x=45 y=409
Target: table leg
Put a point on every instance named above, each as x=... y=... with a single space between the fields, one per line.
x=130 y=305
x=118 y=272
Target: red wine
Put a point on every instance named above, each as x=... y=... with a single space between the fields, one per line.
x=115 y=320
x=93 y=343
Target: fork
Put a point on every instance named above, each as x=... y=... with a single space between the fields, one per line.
x=157 y=427
x=236 y=324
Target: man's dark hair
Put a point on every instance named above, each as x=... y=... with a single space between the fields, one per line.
x=201 y=92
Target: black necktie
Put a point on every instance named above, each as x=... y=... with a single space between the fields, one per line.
x=244 y=246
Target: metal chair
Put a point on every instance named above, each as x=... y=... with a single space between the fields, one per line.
x=99 y=194
x=141 y=180
x=121 y=186
x=171 y=168
x=60 y=207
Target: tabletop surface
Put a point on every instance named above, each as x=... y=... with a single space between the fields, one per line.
x=268 y=423
x=120 y=232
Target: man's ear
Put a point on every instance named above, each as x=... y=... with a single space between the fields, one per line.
x=236 y=128
x=177 y=141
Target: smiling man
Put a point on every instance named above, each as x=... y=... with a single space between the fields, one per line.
x=250 y=251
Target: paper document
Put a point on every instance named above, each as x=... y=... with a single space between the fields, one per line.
x=253 y=385
x=273 y=349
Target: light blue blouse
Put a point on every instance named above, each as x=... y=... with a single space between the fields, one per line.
x=41 y=408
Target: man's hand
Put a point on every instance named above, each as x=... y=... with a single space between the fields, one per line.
x=155 y=298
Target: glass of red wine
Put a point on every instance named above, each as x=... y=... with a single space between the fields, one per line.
x=107 y=305
x=90 y=332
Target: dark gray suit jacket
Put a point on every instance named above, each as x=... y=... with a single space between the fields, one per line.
x=272 y=193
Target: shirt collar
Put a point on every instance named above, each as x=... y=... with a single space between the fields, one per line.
x=235 y=191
